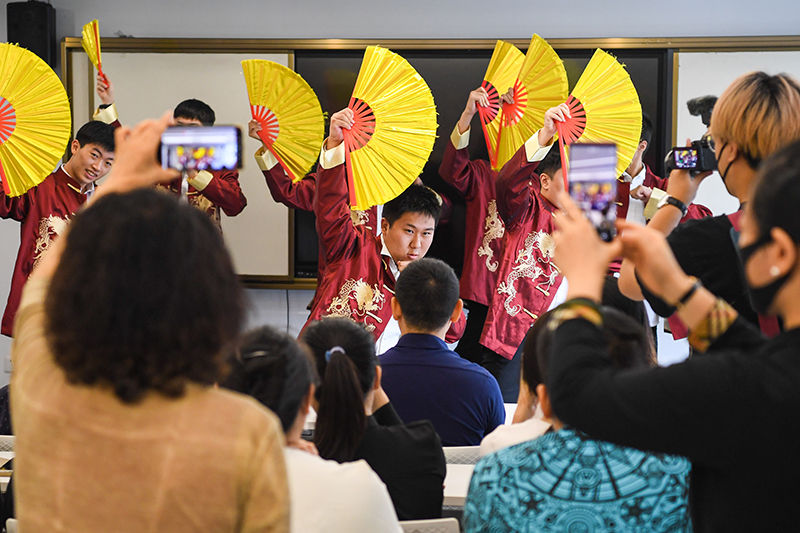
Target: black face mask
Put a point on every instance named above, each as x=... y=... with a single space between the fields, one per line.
x=762 y=297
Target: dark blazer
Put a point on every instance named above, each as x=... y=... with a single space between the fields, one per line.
x=409 y=460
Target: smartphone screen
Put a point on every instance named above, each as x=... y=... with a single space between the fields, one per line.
x=685 y=157
x=201 y=148
x=593 y=184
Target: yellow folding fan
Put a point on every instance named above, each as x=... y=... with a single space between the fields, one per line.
x=499 y=78
x=604 y=108
x=541 y=84
x=393 y=132
x=35 y=119
x=292 y=123
x=90 y=39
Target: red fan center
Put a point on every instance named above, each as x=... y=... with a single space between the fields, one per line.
x=8 y=120
x=513 y=113
x=489 y=112
x=571 y=129
x=269 y=123
x=363 y=125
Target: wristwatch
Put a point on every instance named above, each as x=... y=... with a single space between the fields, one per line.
x=669 y=200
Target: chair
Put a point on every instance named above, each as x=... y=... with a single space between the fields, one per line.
x=434 y=525
x=461 y=455
x=6 y=443
x=11 y=525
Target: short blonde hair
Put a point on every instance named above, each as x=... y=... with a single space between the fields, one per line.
x=759 y=113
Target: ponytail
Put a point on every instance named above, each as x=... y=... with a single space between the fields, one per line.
x=344 y=353
x=341 y=419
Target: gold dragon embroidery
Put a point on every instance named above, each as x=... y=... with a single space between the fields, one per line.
x=492 y=229
x=359 y=218
x=369 y=300
x=542 y=270
x=49 y=228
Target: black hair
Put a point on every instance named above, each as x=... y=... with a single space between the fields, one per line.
x=415 y=199
x=273 y=368
x=344 y=353
x=629 y=344
x=647 y=130
x=145 y=297
x=427 y=291
x=777 y=192
x=551 y=162
x=197 y=110
x=96 y=132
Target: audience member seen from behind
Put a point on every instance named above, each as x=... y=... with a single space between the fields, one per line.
x=755 y=116
x=528 y=422
x=325 y=495
x=743 y=476
x=356 y=421
x=423 y=377
x=566 y=480
x=119 y=340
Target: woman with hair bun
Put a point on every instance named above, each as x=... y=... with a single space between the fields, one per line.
x=356 y=421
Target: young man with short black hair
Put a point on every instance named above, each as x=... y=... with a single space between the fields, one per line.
x=362 y=267
x=422 y=376
x=44 y=210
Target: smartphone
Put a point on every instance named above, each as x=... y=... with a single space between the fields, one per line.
x=201 y=148
x=593 y=184
x=685 y=157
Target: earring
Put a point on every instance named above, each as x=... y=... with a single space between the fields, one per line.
x=774 y=271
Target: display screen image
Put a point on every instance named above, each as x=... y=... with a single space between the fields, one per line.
x=201 y=148
x=593 y=184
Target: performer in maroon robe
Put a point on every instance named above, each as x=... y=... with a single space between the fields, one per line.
x=475 y=180
x=362 y=267
x=527 y=190
x=45 y=209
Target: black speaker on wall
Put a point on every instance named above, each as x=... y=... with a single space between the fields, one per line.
x=32 y=25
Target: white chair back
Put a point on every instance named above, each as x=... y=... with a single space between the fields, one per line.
x=6 y=443
x=435 y=525
x=11 y=526
x=461 y=455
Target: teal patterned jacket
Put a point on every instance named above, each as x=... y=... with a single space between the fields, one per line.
x=566 y=481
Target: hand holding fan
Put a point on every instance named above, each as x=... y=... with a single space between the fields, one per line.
x=500 y=76
x=292 y=123
x=35 y=119
x=604 y=107
x=90 y=39
x=541 y=84
x=394 y=129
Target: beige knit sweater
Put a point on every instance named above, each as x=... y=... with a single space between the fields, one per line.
x=85 y=462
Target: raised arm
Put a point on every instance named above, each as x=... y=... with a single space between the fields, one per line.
x=298 y=195
x=515 y=185
x=456 y=168
x=337 y=235
x=222 y=188
x=106 y=111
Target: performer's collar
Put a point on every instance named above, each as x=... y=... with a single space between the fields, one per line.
x=393 y=268
x=87 y=189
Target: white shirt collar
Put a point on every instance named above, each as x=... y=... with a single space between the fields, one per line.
x=393 y=268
